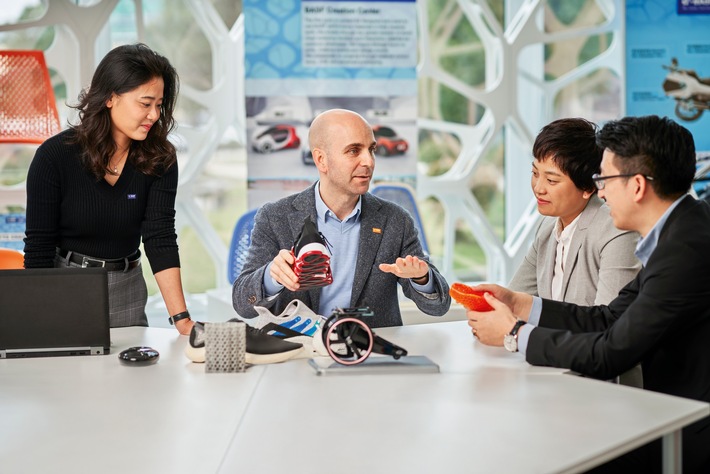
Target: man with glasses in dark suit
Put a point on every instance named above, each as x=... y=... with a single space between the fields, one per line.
x=661 y=319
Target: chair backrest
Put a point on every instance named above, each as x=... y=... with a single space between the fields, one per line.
x=403 y=195
x=11 y=259
x=238 y=247
x=28 y=109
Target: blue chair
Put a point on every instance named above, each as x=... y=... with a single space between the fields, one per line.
x=403 y=195
x=238 y=247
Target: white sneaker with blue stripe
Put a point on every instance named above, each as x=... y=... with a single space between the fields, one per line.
x=296 y=323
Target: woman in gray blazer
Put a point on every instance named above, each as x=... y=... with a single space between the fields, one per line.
x=578 y=256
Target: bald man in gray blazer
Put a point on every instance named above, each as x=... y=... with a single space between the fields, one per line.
x=377 y=243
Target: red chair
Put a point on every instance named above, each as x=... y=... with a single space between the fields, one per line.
x=28 y=109
x=11 y=259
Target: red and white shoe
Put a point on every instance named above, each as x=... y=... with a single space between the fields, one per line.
x=312 y=266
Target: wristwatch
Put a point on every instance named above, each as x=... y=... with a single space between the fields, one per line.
x=510 y=341
x=177 y=317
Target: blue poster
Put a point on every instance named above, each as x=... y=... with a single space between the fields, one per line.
x=12 y=231
x=668 y=63
x=302 y=57
x=330 y=45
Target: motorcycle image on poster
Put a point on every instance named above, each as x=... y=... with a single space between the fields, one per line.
x=691 y=92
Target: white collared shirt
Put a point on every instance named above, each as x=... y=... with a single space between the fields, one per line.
x=563 y=237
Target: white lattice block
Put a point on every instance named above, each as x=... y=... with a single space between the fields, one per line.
x=225 y=347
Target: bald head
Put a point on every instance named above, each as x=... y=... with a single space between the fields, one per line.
x=343 y=147
x=328 y=124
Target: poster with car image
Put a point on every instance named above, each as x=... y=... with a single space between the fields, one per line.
x=668 y=63
x=303 y=57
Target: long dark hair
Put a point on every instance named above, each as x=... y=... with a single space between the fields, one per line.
x=123 y=69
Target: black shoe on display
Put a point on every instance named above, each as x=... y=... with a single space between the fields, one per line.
x=261 y=348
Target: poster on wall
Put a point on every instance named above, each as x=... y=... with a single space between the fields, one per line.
x=668 y=63
x=12 y=229
x=668 y=69
x=303 y=57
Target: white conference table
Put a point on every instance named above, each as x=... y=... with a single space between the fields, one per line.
x=487 y=411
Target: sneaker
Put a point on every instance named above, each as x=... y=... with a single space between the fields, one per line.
x=312 y=266
x=261 y=347
x=296 y=323
x=296 y=319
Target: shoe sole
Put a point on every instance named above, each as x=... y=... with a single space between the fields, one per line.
x=256 y=359
x=197 y=355
x=309 y=349
x=469 y=298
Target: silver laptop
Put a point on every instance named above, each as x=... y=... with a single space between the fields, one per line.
x=54 y=312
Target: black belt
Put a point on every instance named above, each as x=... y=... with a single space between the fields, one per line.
x=114 y=264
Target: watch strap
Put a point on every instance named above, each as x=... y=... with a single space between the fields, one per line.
x=518 y=324
x=177 y=317
x=510 y=341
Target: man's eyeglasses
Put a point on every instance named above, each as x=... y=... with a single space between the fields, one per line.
x=599 y=180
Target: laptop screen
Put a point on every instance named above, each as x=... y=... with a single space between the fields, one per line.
x=54 y=311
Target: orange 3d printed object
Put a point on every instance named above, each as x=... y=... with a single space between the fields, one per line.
x=468 y=297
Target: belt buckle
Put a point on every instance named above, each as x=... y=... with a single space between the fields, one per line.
x=92 y=262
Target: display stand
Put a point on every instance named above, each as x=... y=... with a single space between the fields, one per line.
x=375 y=365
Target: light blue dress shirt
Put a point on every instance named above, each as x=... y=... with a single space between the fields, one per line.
x=644 y=249
x=343 y=238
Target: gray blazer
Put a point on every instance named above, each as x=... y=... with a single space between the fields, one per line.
x=276 y=227
x=600 y=261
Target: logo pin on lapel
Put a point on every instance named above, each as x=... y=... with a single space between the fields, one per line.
x=376 y=230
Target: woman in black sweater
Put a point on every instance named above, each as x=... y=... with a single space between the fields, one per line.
x=97 y=188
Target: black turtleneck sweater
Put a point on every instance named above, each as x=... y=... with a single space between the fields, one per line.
x=68 y=208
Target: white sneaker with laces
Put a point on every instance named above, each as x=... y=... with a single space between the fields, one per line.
x=296 y=323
